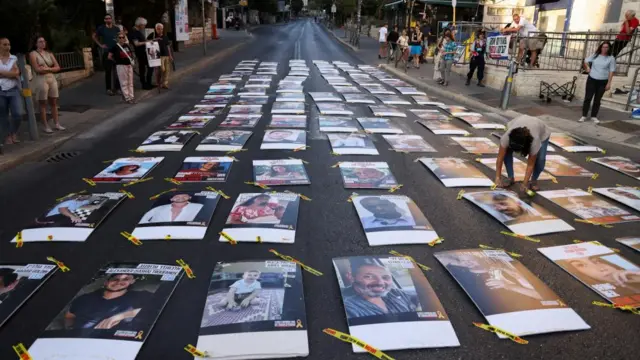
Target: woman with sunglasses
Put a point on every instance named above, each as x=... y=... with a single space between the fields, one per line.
x=528 y=136
x=122 y=57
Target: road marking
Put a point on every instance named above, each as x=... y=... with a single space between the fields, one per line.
x=153 y=125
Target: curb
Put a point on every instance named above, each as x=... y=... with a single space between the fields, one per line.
x=343 y=42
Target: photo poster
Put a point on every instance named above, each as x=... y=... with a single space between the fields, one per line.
x=414 y=317
x=621 y=164
x=284 y=139
x=393 y=100
x=166 y=140
x=409 y=143
x=558 y=165
x=255 y=310
x=126 y=170
x=379 y=126
x=632 y=242
x=430 y=114
x=112 y=315
x=326 y=108
x=456 y=172
x=246 y=109
x=206 y=110
x=454 y=109
x=182 y=20
x=325 y=96
x=337 y=124
x=293 y=108
x=572 y=144
x=352 y=144
x=442 y=128
x=498 y=46
x=280 y=172
x=384 y=110
x=271 y=216
x=393 y=219
x=459 y=55
x=359 y=99
x=588 y=207
x=477 y=120
x=628 y=196
x=507 y=294
x=289 y=121
x=18 y=283
x=190 y=122
x=242 y=121
x=367 y=175
x=181 y=215
x=73 y=218
x=477 y=145
x=610 y=275
x=520 y=217
x=204 y=169
x=519 y=168
x=224 y=140
x=153 y=54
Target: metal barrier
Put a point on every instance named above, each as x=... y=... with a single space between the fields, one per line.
x=70 y=61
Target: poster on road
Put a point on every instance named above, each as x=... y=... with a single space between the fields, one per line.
x=477 y=145
x=254 y=310
x=379 y=126
x=430 y=114
x=412 y=317
x=337 y=124
x=558 y=165
x=191 y=122
x=610 y=275
x=519 y=168
x=127 y=170
x=367 y=175
x=280 y=172
x=572 y=144
x=588 y=206
x=19 y=283
x=166 y=141
x=621 y=164
x=153 y=54
x=409 y=143
x=626 y=195
x=477 y=121
x=352 y=144
x=632 y=242
x=288 y=121
x=443 y=128
x=456 y=172
x=509 y=296
x=204 y=169
x=284 y=139
x=224 y=140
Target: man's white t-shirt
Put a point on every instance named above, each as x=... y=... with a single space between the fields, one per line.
x=383 y=34
x=163 y=214
x=525 y=27
x=242 y=287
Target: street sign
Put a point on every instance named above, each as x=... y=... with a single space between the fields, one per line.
x=454 y=3
x=334 y=8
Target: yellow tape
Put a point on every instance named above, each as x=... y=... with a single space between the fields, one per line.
x=236 y=151
x=289 y=258
x=616 y=306
x=301 y=148
x=138 y=181
x=303 y=161
x=109 y=161
x=167 y=237
x=234 y=159
x=335 y=153
x=219 y=192
x=258 y=239
x=49 y=237
x=262 y=186
x=129 y=195
x=133 y=239
x=554 y=180
x=173 y=181
x=400 y=151
x=89 y=181
x=494 y=186
x=19 y=241
x=335 y=165
x=595 y=176
x=531 y=193
x=590 y=190
x=195 y=352
x=460 y=193
x=632 y=187
x=137 y=151
x=575 y=241
x=588 y=159
x=162 y=193
x=186 y=268
x=59 y=263
x=353 y=195
x=423 y=267
x=435 y=242
x=482 y=246
x=603 y=151
x=70 y=194
x=229 y=238
x=22 y=352
x=496 y=330
x=353 y=340
x=303 y=197
x=396 y=188
x=519 y=236
x=607 y=226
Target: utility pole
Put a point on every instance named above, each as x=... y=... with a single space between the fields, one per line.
x=204 y=31
x=359 y=12
x=28 y=99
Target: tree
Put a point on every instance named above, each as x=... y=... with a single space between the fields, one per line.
x=296 y=6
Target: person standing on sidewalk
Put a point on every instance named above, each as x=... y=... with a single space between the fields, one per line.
x=448 y=53
x=139 y=42
x=45 y=83
x=392 y=39
x=478 y=52
x=523 y=28
x=382 y=39
x=121 y=55
x=415 y=41
x=629 y=25
x=426 y=33
x=10 y=97
x=600 y=67
x=166 y=56
x=109 y=34
x=437 y=74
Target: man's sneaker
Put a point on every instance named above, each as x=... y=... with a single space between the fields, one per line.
x=595 y=120
x=583 y=119
x=468 y=82
x=481 y=84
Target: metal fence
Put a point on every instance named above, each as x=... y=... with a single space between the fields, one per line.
x=70 y=61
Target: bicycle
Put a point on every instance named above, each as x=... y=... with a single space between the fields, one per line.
x=401 y=55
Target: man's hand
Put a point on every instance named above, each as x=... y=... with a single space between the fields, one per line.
x=608 y=87
x=109 y=323
x=75 y=219
x=246 y=302
x=498 y=181
x=524 y=187
x=231 y=305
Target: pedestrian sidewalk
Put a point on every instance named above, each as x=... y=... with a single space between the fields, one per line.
x=85 y=103
x=616 y=126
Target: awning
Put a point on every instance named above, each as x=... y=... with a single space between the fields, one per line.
x=394 y=3
x=460 y=4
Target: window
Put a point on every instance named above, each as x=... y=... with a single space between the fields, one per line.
x=614 y=7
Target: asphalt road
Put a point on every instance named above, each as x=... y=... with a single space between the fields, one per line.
x=328 y=226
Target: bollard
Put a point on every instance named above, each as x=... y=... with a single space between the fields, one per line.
x=508 y=85
x=28 y=99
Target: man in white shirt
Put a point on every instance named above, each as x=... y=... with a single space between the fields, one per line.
x=384 y=213
x=382 y=39
x=532 y=42
x=243 y=292
x=180 y=209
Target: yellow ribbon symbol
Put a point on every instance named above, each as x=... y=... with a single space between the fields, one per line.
x=298 y=324
x=440 y=315
x=139 y=336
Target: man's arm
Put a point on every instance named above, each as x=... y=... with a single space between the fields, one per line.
x=56 y=66
x=531 y=162
x=248 y=299
x=13 y=73
x=231 y=301
x=499 y=163
x=114 y=320
x=97 y=41
x=66 y=212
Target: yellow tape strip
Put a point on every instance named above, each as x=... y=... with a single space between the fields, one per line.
x=137 y=151
x=289 y=258
x=423 y=267
x=19 y=241
x=396 y=188
x=554 y=180
x=129 y=195
x=350 y=198
x=595 y=176
x=494 y=186
x=186 y=268
x=234 y=158
x=400 y=151
x=173 y=181
x=109 y=161
x=258 y=239
x=229 y=238
x=301 y=148
x=303 y=161
x=70 y=194
x=162 y=193
x=496 y=330
x=60 y=264
x=482 y=246
x=138 y=181
x=89 y=181
x=262 y=186
x=335 y=165
x=236 y=151
x=588 y=159
x=219 y=192
x=335 y=153
x=575 y=241
x=460 y=193
x=303 y=197
x=604 y=151
x=528 y=238
x=131 y=238
x=616 y=306
x=436 y=242
x=195 y=352
x=22 y=352
x=353 y=340
x=607 y=226
x=590 y=189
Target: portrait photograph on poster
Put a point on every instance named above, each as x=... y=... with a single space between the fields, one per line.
x=426 y=101
x=260 y=303
x=408 y=90
x=221 y=100
x=253 y=100
x=456 y=172
x=519 y=169
x=393 y=100
x=558 y=165
x=280 y=172
x=289 y=121
x=379 y=126
x=289 y=88
x=442 y=128
x=352 y=144
x=253 y=91
x=389 y=302
x=191 y=122
x=632 y=242
x=588 y=206
x=610 y=275
x=18 y=283
x=284 y=139
x=204 y=169
x=245 y=109
x=178 y=215
x=248 y=121
x=376 y=89
x=571 y=143
x=409 y=143
x=520 y=217
x=325 y=96
x=477 y=120
x=125 y=170
x=292 y=108
x=621 y=164
x=328 y=108
x=112 y=315
x=271 y=216
x=221 y=90
x=73 y=218
x=454 y=109
x=384 y=110
x=343 y=90
x=224 y=140
x=359 y=99
x=290 y=97
x=337 y=124
x=625 y=195
x=393 y=219
x=167 y=140
x=430 y=114
x=477 y=145
x=206 y=110
x=367 y=175
x=507 y=294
